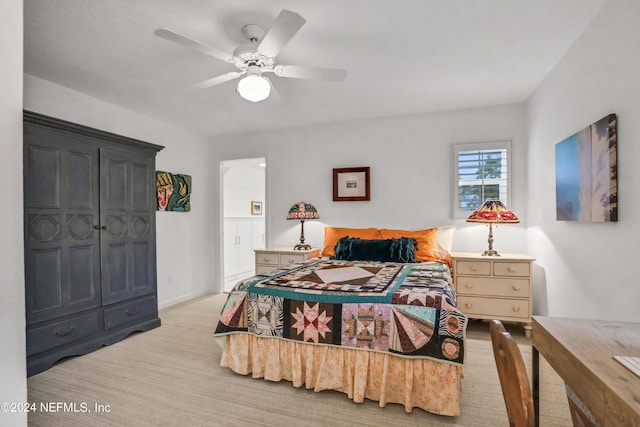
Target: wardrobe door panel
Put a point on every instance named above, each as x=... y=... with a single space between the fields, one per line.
x=46 y=279
x=82 y=273
x=43 y=176
x=81 y=190
x=61 y=216
x=128 y=209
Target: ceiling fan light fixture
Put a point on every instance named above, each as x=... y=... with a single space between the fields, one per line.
x=254 y=88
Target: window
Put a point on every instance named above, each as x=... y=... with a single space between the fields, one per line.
x=481 y=172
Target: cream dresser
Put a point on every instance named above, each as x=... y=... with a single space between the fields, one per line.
x=268 y=259
x=494 y=287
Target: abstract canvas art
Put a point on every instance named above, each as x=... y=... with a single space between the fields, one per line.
x=173 y=191
x=587 y=174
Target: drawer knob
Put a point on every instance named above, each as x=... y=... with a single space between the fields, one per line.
x=515 y=287
x=473 y=268
x=468 y=305
x=511 y=269
x=516 y=309
x=291 y=261
x=468 y=285
x=65 y=333
x=265 y=259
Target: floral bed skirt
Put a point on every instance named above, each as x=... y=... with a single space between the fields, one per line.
x=415 y=383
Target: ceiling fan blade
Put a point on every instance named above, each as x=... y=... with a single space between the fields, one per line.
x=219 y=79
x=193 y=44
x=316 y=73
x=283 y=29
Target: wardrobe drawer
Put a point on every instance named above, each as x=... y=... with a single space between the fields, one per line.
x=511 y=269
x=59 y=333
x=481 y=268
x=498 y=308
x=267 y=258
x=129 y=312
x=500 y=287
x=288 y=259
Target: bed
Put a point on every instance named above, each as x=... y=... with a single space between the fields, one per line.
x=380 y=327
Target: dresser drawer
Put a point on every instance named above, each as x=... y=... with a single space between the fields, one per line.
x=288 y=259
x=480 y=268
x=521 y=269
x=264 y=269
x=500 y=287
x=497 y=308
x=265 y=258
x=129 y=312
x=59 y=333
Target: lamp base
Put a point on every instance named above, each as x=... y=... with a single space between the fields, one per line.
x=490 y=253
x=301 y=247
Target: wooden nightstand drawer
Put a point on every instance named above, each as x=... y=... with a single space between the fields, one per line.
x=266 y=258
x=263 y=269
x=514 y=288
x=489 y=308
x=480 y=268
x=520 y=269
x=269 y=259
x=288 y=259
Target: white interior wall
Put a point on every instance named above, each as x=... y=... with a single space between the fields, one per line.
x=588 y=268
x=13 y=368
x=183 y=250
x=243 y=183
x=411 y=172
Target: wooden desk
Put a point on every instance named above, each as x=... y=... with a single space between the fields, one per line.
x=581 y=351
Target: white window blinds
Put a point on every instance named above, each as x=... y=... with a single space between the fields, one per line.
x=481 y=172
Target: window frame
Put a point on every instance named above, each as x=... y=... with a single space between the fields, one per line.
x=502 y=144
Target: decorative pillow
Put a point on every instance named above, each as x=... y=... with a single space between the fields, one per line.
x=425 y=239
x=384 y=250
x=444 y=244
x=333 y=234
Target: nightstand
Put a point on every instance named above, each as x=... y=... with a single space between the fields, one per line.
x=494 y=287
x=268 y=259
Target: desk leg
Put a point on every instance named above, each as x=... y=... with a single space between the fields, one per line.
x=535 y=368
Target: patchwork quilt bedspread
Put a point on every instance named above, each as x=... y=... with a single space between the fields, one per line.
x=406 y=309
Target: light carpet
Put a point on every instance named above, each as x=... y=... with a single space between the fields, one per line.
x=170 y=376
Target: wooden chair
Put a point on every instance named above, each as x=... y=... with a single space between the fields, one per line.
x=513 y=377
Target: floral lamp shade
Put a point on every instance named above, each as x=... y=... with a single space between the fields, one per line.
x=302 y=211
x=493 y=211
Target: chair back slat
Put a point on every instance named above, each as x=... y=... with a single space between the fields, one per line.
x=513 y=377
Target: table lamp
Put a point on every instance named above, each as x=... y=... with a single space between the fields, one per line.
x=302 y=211
x=493 y=212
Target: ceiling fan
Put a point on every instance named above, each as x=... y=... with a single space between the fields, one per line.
x=257 y=57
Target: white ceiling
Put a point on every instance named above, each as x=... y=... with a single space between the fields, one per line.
x=402 y=57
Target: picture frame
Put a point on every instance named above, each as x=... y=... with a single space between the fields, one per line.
x=351 y=184
x=256 y=208
x=173 y=192
x=587 y=174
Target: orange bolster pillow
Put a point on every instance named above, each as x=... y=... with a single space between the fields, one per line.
x=333 y=234
x=425 y=251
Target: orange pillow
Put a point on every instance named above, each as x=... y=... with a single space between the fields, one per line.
x=333 y=234
x=426 y=241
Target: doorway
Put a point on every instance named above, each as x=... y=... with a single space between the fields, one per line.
x=244 y=207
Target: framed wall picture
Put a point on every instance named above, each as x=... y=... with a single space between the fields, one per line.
x=173 y=192
x=587 y=174
x=256 y=208
x=351 y=184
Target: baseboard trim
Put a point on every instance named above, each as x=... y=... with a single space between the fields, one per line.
x=183 y=298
